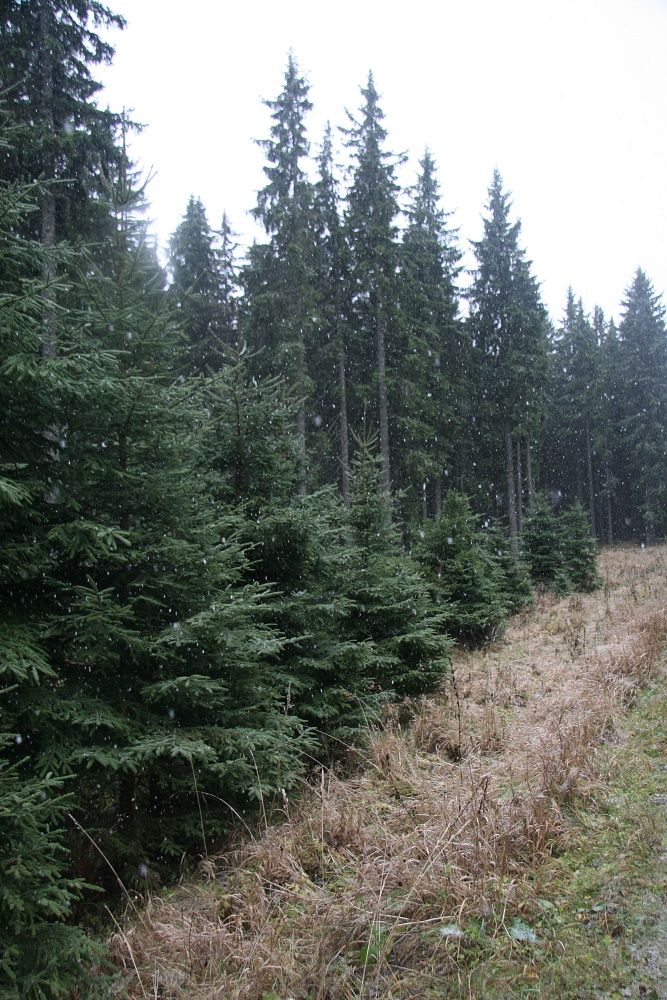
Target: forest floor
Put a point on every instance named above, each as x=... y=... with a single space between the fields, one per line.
x=508 y=842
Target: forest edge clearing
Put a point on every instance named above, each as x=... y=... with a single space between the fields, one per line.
x=496 y=847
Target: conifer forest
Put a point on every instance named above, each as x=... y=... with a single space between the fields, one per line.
x=253 y=496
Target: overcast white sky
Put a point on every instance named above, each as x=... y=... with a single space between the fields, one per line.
x=567 y=97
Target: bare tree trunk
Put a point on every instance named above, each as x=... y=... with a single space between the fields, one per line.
x=610 y=519
x=519 y=487
x=424 y=502
x=382 y=398
x=344 y=442
x=591 y=488
x=511 y=494
x=437 y=499
x=529 y=474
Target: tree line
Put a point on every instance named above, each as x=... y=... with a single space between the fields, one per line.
x=244 y=508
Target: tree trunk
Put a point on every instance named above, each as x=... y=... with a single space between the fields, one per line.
x=424 y=502
x=301 y=445
x=344 y=442
x=47 y=200
x=437 y=499
x=519 y=488
x=589 y=469
x=529 y=474
x=511 y=494
x=610 y=520
x=382 y=397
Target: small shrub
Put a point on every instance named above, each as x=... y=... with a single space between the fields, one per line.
x=579 y=550
x=542 y=546
x=464 y=575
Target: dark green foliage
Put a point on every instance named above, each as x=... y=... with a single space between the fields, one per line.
x=559 y=550
x=541 y=544
x=508 y=326
x=203 y=288
x=574 y=416
x=464 y=575
x=41 y=956
x=163 y=696
x=517 y=588
x=328 y=344
x=642 y=357
x=431 y=383
x=579 y=550
x=375 y=350
x=360 y=625
x=249 y=453
x=279 y=280
x=47 y=51
x=390 y=605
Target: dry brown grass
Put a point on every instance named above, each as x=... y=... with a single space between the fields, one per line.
x=444 y=824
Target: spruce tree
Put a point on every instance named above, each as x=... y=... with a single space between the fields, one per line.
x=541 y=546
x=390 y=607
x=575 y=405
x=465 y=577
x=508 y=326
x=643 y=360
x=48 y=50
x=432 y=376
x=609 y=427
x=203 y=287
x=517 y=589
x=164 y=703
x=328 y=349
x=578 y=550
x=40 y=955
x=279 y=276
x=370 y=225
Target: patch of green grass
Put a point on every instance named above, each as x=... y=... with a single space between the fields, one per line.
x=601 y=893
x=586 y=908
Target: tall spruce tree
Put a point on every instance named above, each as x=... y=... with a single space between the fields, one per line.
x=432 y=375
x=48 y=49
x=575 y=404
x=370 y=222
x=279 y=276
x=203 y=287
x=509 y=326
x=643 y=358
x=609 y=428
x=328 y=356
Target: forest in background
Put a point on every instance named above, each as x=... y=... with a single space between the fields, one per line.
x=247 y=503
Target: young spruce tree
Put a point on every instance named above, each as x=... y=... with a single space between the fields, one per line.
x=41 y=954
x=164 y=705
x=465 y=577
